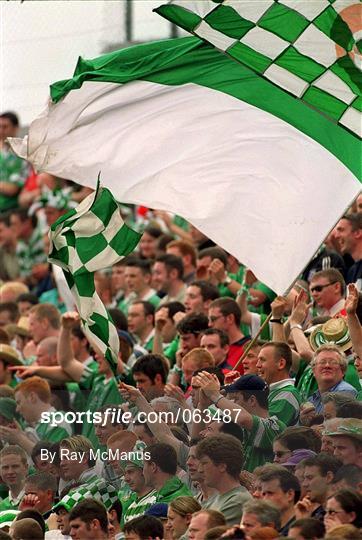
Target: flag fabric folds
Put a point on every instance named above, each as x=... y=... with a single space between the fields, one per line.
x=180 y=126
x=89 y=238
x=312 y=49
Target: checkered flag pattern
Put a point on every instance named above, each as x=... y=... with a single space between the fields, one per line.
x=310 y=48
x=99 y=490
x=87 y=239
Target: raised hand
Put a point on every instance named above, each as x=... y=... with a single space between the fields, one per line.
x=352 y=299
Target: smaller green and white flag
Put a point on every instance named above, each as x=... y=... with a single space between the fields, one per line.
x=99 y=490
x=87 y=239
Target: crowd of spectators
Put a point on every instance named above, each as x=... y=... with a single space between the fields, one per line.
x=235 y=413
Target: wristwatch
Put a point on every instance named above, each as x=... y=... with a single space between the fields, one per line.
x=227 y=281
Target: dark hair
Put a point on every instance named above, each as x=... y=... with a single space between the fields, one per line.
x=352 y=474
x=351 y=409
x=117 y=507
x=194 y=323
x=281 y=350
x=151 y=365
x=173 y=308
x=325 y=463
x=310 y=527
x=296 y=437
x=228 y=306
x=12 y=117
x=214 y=253
x=148 y=308
x=223 y=449
x=12 y=308
x=207 y=290
x=286 y=479
x=23 y=215
x=233 y=429
x=88 y=510
x=5 y=218
x=28 y=297
x=261 y=396
x=3 y=534
x=355 y=220
x=145 y=527
x=155 y=232
x=119 y=319
x=78 y=333
x=224 y=338
x=32 y=514
x=143 y=264
x=215 y=370
x=350 y=501
x=47 y=445
x=163 y=242
x=172 y=263
x=164 y=456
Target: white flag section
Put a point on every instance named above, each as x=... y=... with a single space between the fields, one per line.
x=255 y=184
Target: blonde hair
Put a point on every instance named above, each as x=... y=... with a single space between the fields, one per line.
x=14 y=288
x=77 y=443
x=184 y=505
x=201 y=357
x=332 y=348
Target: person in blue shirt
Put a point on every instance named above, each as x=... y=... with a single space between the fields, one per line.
x=329 y=367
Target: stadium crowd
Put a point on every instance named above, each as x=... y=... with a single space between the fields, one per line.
x=235 y=413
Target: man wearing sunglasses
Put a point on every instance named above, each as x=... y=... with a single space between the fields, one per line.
x=327 y=289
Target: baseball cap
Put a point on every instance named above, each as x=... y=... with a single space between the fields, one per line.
x=158 y=510
x=247 y=383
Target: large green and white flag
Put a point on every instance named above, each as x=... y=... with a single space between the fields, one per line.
x=262 y=167
x=87 y=239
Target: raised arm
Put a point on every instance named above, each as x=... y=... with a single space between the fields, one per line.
x=159 y=429
x=355 y=329
x=72 y=367
x=210 y=386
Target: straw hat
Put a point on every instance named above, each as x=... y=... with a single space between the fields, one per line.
x=9 y=355
x=345 y=427
x=21 y=328
x=334 y=331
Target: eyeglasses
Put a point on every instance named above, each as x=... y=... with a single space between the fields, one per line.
x=327 y=362
x=214 y=318
x=319 y=288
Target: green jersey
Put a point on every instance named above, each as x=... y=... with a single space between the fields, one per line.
x=13 y=171
x=284 y=401
x=172 y=489
x=103 y=392
x=11 y=503
x=258 y=442
x=30 y=252
x=45 y=431
x=137 y=506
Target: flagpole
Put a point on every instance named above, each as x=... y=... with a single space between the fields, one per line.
x=267 y=320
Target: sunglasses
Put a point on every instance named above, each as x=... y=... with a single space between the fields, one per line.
x=319 y=288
